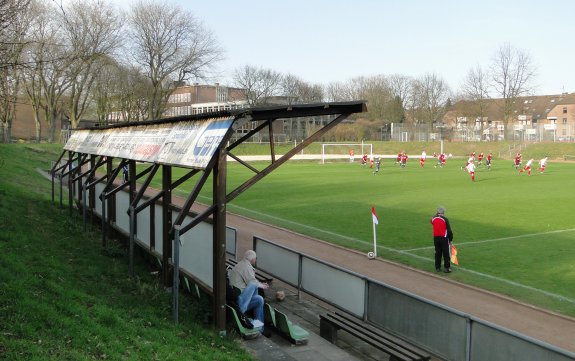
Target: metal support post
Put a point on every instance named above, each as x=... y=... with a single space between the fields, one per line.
x=176 y=281
x=132 y=213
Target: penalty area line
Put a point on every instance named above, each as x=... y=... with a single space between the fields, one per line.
x=497 y=239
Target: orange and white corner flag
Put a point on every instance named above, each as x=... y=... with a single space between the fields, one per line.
x=374 y=216
x=454 y=259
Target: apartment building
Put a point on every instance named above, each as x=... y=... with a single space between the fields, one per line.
x=535 y=118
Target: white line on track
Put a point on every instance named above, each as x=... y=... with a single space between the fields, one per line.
x=408 y=252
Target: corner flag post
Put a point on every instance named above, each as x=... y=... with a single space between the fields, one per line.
x=375 y=222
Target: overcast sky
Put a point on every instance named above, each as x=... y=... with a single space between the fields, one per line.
x=323 y=41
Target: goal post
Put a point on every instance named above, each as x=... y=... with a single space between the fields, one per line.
x=342 y=150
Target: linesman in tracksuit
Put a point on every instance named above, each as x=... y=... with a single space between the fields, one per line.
x=442 y=238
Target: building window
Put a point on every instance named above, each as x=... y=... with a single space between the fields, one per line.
x=564 y=120
x=180 y=98
x=564 y=110
x=221 y=94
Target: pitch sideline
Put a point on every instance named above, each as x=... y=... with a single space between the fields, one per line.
x=408 y=252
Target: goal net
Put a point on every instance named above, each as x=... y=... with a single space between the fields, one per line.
x=351 y=151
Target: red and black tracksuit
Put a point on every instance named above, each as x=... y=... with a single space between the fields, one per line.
x=442 y=235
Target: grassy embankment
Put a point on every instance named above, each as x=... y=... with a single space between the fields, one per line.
x=64 y=297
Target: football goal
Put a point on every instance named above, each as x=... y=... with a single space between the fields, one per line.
x=350 y=151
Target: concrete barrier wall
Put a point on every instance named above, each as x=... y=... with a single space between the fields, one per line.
x=279 y=262
x=438 y=329
x=492 y=343
x=334 y=285
x=328 y=282
x=443 y=331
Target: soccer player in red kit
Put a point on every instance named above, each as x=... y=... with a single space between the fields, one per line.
x=488 y=161
x=480 y=158
x=517 y=161
x=403 y=161
x=441 y=160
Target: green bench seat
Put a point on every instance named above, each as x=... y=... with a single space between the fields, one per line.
x=294 y=333
x=245 y=332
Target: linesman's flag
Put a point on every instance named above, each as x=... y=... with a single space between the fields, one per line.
x=374 y=216
x=454 y=255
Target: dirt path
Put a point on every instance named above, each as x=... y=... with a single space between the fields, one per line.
x=537 y=323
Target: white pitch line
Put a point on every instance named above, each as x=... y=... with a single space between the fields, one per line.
x=497 y=239
x=407 y=252
x=553 y=295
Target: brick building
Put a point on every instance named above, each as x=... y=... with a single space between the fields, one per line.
x=198 y=99
x=24 y=127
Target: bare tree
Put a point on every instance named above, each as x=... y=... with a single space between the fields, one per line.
x=476 y=88
x=46 y=79
x=298 y=91
x=344 y=91
x=12 y=12
x=121 y=93
x=257 y=84
x=412 y=101
x=377 y=92
x=290 y=88
x=13 y=23
x=105 y=90
x=171 y=46
x=513 y=73
x=400 y=86
x=433 y=94
x=92 y=30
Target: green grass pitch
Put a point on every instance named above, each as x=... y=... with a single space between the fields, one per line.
x=515 y=234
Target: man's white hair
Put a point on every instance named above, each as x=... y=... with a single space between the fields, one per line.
x=440 y=210
x=250 y=255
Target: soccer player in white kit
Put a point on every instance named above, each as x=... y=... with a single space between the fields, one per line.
x=471 y=170
x=542 y=164
x=527 y=167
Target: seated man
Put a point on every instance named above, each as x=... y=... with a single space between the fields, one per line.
x=243 y=277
